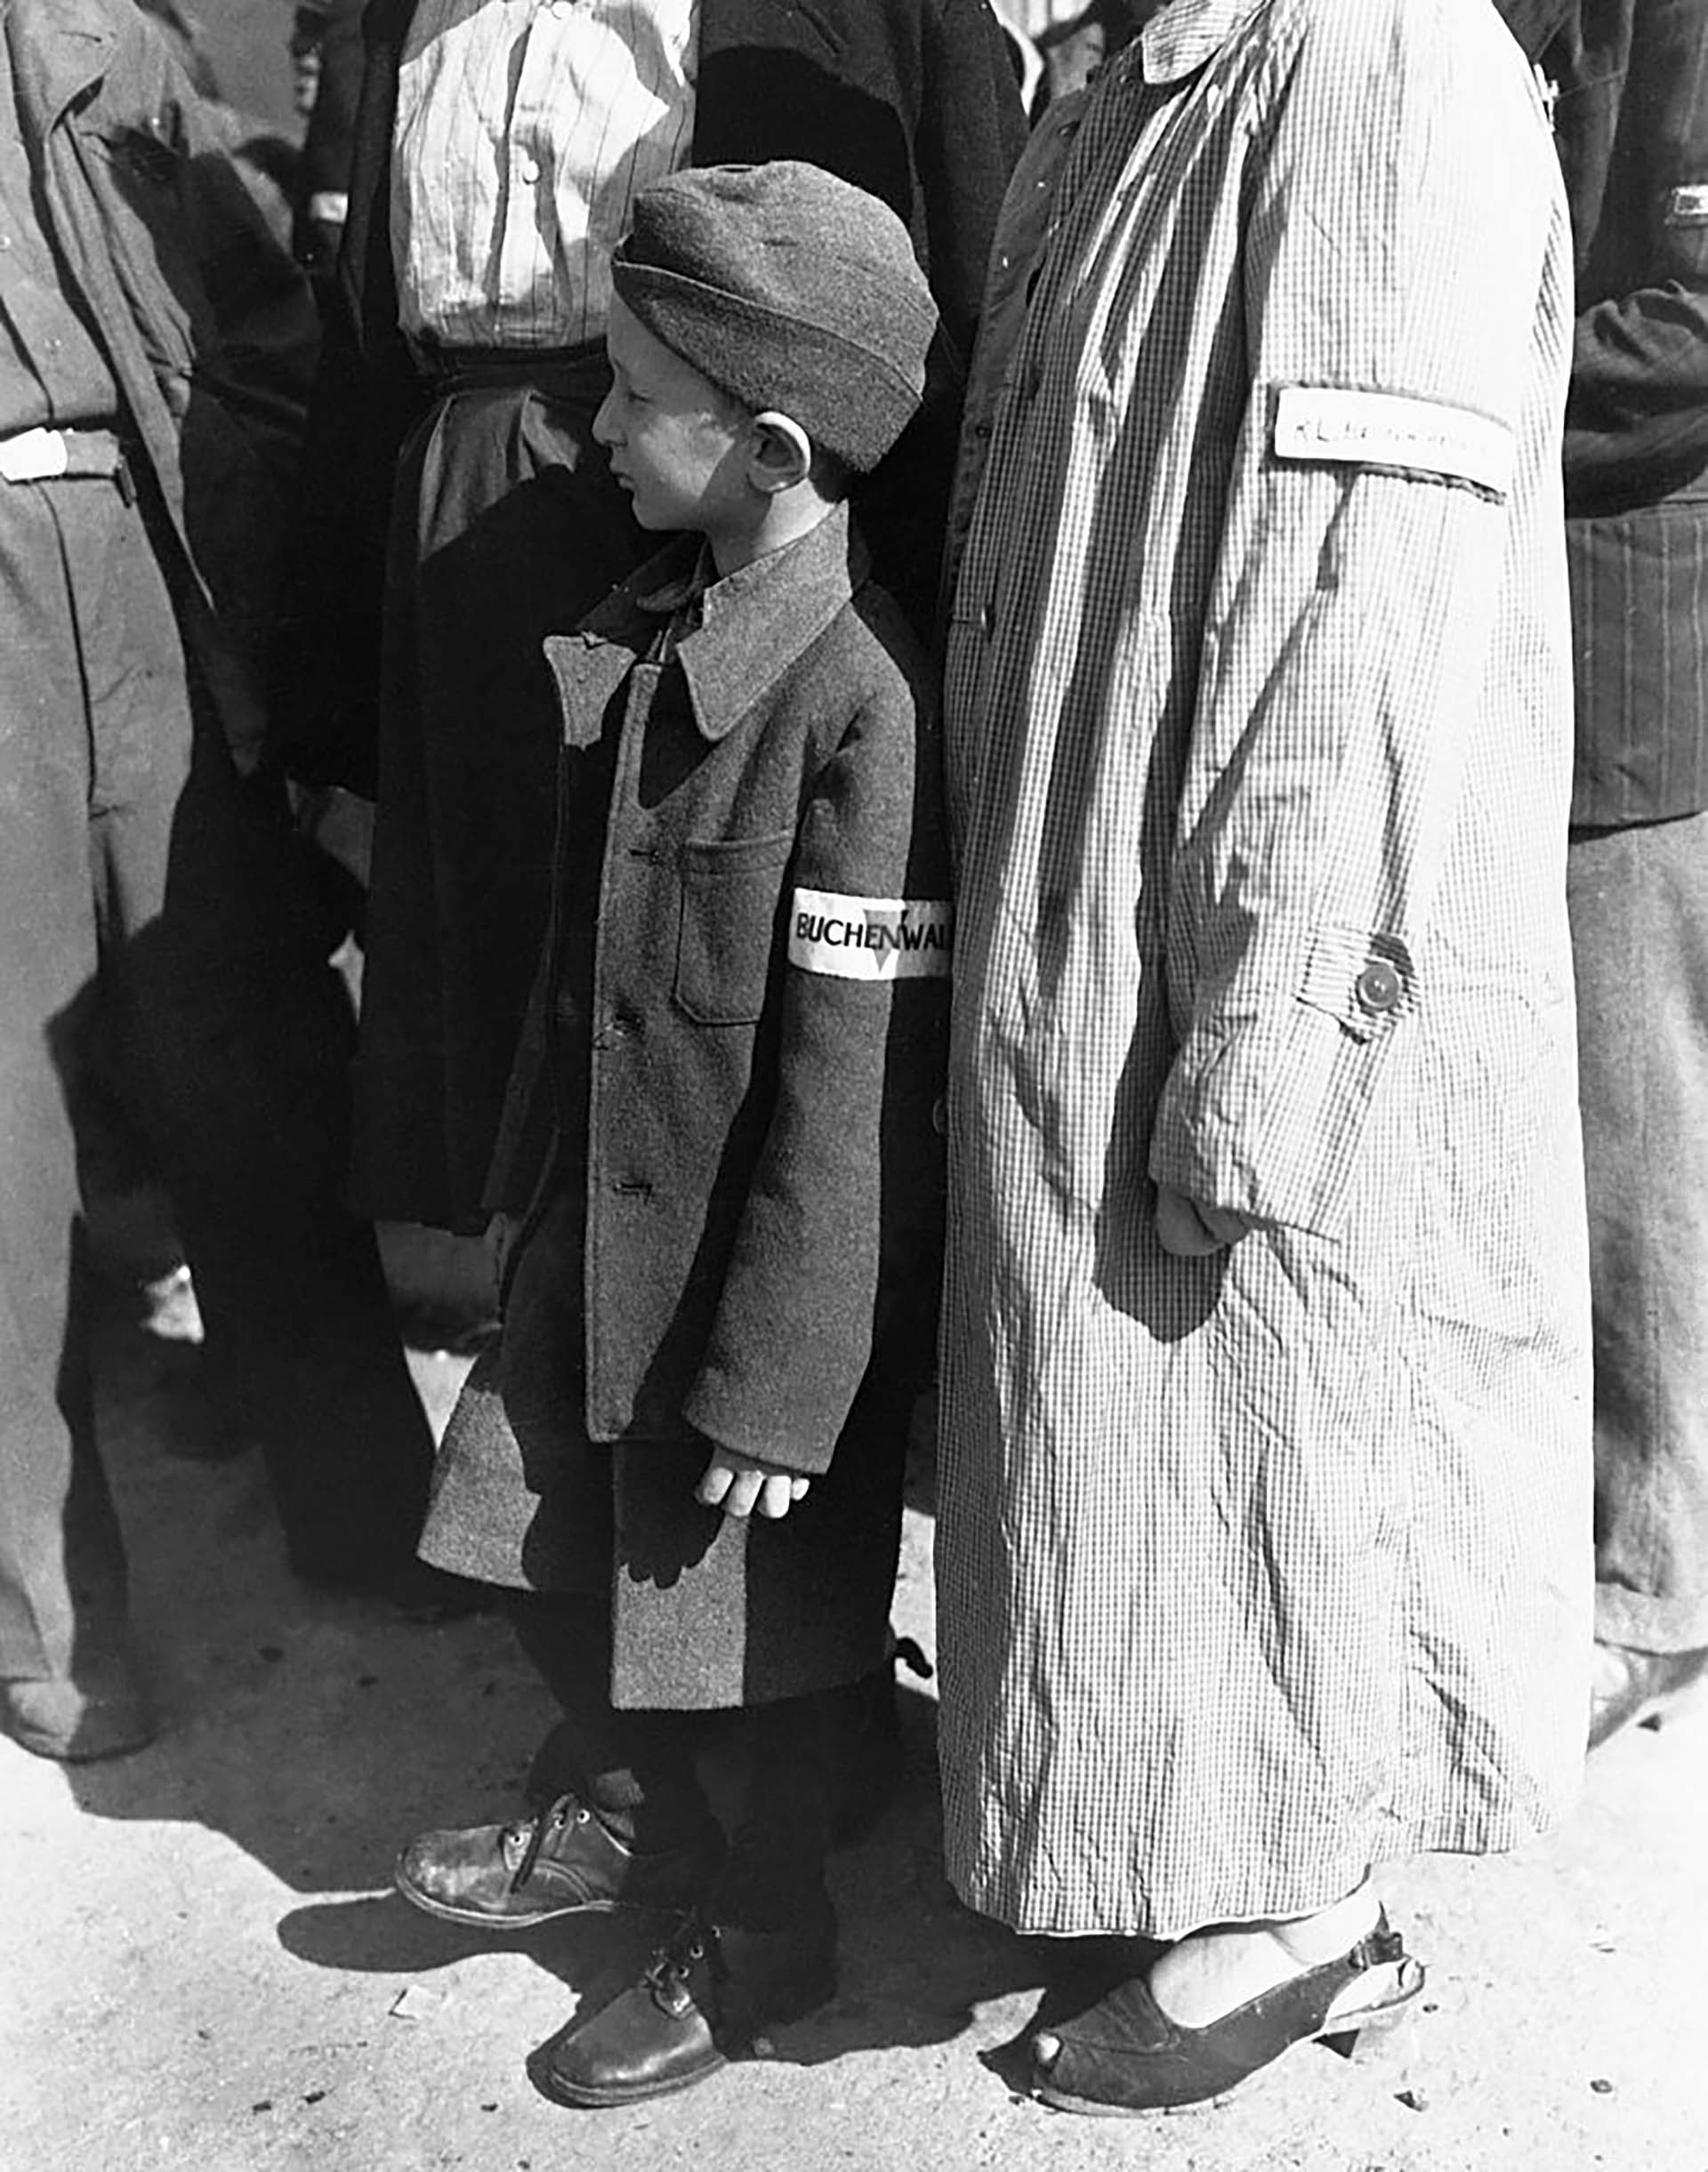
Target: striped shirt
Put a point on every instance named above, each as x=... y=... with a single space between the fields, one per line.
x=524 y=130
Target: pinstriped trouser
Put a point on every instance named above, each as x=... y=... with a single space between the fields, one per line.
x=1639 y=900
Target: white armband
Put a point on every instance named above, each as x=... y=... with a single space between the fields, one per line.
x=871 y=939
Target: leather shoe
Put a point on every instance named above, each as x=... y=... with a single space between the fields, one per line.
x=560 y=1863
x=706 y=1995
x=1124 y=2055
x=1630 y=1686
x=75 y=1722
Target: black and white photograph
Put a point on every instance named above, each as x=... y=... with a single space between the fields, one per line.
x=853 y=1085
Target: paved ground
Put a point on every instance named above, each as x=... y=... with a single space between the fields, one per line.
x=202 y=1967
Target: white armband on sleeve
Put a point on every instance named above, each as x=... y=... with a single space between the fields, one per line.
x=1392 y=430
x=871 y=939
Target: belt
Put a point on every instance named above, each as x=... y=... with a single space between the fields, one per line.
x=44 y=455
x=566 y=370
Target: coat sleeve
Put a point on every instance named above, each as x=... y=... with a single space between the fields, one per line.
x=1637 y=421
x=1404 y=217
x=840 y=1234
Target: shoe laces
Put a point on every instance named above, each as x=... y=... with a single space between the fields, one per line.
x=671 y=1967
x=530 y=1834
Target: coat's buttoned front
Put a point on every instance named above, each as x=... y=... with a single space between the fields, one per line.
x=723 y=1132
x=760 y=1166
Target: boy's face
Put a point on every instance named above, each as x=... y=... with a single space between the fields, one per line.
x=675 y=441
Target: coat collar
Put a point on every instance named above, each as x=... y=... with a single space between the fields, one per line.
x=755 y=622
x=752 y=625
x=1186 y=33
x=57 y=52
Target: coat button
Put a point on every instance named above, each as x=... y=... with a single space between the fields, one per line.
x=1377 y=988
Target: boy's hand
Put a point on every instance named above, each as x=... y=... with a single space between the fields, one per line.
x=738 y=1484
x=1189 y=1228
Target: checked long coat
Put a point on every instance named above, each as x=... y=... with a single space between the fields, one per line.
x=1258 y=1568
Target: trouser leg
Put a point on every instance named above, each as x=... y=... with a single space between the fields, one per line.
x=637 y=1769
x=61 y=1563
x=1638 y=902
x=774 y=1875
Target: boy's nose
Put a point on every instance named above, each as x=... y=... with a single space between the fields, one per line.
x=603 y=431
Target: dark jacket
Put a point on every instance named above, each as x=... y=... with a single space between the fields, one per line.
x=762 y=1158
x=1631 y=123
x=206 y=325
x=913 y=100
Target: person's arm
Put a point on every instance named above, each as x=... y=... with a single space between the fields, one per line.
x=1395 y=258
x=1637 y=419
x=846 y=1191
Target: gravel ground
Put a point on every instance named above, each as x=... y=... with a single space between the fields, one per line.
x=204 y=1969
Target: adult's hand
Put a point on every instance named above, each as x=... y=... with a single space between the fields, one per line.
x=1189 y=1228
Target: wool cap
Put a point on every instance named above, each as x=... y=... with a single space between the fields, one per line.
x=789 y=289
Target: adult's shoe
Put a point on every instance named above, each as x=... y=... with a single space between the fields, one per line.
x=560 y=1863
x=706 y=1995
x=1629 y=1686
x=77 y=1722
x=1124 y=2055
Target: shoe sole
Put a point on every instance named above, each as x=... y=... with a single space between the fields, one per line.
x=808 y=1998
x=590 y=2099
x=1348 y=2028
x=480 y=1919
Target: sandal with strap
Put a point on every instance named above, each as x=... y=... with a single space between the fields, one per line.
x=1124 y=2055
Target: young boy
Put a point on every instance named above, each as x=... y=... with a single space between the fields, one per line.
x=723 y=1134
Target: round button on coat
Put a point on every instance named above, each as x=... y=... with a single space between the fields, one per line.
x=1377 y=988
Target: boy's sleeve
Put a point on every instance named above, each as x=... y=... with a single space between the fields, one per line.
x=843 y=1213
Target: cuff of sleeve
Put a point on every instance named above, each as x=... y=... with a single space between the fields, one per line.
x=1264 y=1117
x=715 y=1409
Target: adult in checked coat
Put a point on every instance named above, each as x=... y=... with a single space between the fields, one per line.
x=1263 y=1533
x=1631 y=124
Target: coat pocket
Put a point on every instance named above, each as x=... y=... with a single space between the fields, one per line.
x=728 y=927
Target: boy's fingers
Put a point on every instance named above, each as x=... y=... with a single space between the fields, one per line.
x=738 y=1489
x=745 y=1490
x=714 y=1484
x=776 y=1494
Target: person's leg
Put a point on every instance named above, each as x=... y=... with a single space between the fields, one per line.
x=636 y=1770
x=1223 y=2003
x=232 y=1037
x=630 y=1826
x=1638 y=903
x=759 y=1950
x=66 y=1685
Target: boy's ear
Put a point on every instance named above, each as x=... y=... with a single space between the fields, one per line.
x=780 y=453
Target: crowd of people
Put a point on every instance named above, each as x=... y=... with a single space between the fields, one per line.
x=1031 y=685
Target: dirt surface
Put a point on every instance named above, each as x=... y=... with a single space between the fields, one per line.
x=203 y=1968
